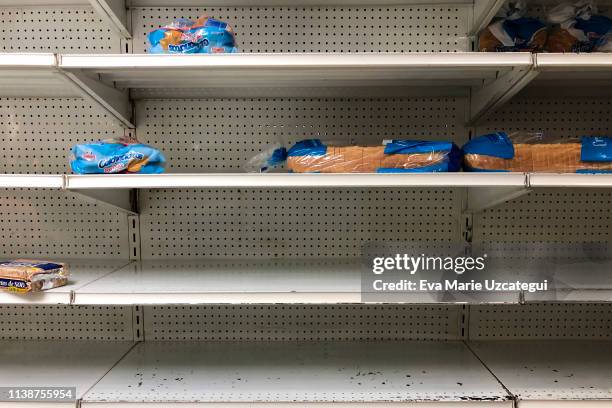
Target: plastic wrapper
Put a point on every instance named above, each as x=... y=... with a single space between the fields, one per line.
x=183 y=36
x=24 y=275
x=578 y=28
x=396 y=156
x=511 y=31
x=499 y=152
x=116 y=156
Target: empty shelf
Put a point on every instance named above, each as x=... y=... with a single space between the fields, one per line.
x=173 y=373
x=560 y=370
x=62 y=363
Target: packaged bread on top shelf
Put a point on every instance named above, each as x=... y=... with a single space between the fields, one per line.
x=498 y=152
x=184 y=36
x=578 y=27
x=392 y=156
x=512 y=31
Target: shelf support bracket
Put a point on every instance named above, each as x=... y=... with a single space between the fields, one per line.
x=489 y=97
x=113 y=101
x=484 y=11
x=114 y=13
x=480 y=199
x=119 y=199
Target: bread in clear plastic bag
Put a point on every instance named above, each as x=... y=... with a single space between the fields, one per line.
x=393 y=156
x=578 y=27
x=511 y=31
x=184 y=36
x=523 y=152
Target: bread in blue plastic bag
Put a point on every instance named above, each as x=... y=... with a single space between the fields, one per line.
x=183 y=36
x=116 y=156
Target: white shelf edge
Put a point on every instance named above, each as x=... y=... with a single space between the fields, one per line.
x=456 y=61
x=294 y=180
x=31 y=181
x=572 y=61
x=414 y=404
x=570 y=180
x=215 y=298
x=594 y=403
x=28 y=60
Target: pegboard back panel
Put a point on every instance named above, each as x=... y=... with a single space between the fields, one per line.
x=66 y=323
x=558 y=118
x=71 y=29
x=292 y=223
x=541 y=321
x=550 y=215
x=417 y=28
x=301 y=322
x=220 y=135
x=56 y=224
x=36 y=134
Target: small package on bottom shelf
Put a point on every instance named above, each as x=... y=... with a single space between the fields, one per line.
x=116 y=156
x=524 y=153
x=512 y=31
x=24 y=275
x=578 y=28
x=393 y=156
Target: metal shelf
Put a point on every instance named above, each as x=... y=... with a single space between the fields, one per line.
x=39 y=75
x=573 y=274
x=168 y=374
x=551 y=373
x=570 y=180
x=31 y=181
x=484 y=190
x=588 y=74
x=319 y=281
x=492 y=77
x=82 y=273
x=294 y=180
x=64 y=363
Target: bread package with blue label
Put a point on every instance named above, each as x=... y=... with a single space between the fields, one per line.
x=521 y=153
x=124 y=155
x=183 y=36
x=25 y=275
x=392 y=156
x=511 y=31
x=578 y=27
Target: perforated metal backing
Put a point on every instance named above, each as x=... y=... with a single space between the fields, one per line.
x=221 y=135
x=36 y=134
x=49 y=223
x=325 y=29
x=556 y=117
x=551 y=215
x=73 y=29
x=295 y=322
x=291 y=223
x=66 y=322
x=35 y=138
x=541 y=321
